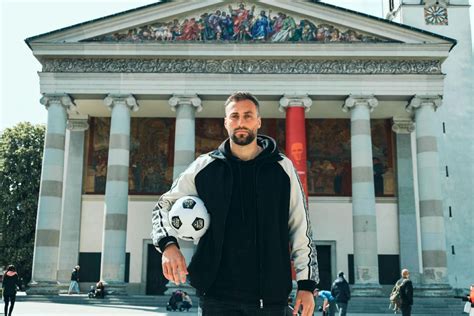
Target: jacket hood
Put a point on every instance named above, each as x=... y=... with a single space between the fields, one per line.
x=270 y=149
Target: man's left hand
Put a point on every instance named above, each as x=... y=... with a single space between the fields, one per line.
x=304 y=301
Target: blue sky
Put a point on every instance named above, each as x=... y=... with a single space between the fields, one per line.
x=20 y=19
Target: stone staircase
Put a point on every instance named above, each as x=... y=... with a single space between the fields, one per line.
x=358 y=305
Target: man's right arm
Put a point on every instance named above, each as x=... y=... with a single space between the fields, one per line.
x=163 y=235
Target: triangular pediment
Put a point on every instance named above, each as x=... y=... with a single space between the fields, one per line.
x=267 y=21
x=239 y=22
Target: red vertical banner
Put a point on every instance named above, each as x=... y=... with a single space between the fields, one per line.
x=296 y=140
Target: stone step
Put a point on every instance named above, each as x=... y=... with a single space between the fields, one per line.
x=358 y=305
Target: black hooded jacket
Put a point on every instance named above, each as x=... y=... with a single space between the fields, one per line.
x=279 y=219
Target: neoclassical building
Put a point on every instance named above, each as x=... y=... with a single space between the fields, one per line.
x=373 y=112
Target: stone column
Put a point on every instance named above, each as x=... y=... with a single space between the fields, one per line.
x=116 y=193
x=433 y=239
x=364 y=220
x=72 y=201
x=295 y=107
x=48 y=222
x=184 y=141
x=185 y=107
x=407 y=218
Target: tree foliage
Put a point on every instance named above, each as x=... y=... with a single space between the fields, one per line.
x=21 y=153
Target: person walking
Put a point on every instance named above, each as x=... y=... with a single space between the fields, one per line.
x=10 y=283
x=406 y=293
x=258 y=207
x=342 y=293
x=74 y=285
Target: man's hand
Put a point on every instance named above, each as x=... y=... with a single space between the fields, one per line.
x=305 y=300
x=174 y=265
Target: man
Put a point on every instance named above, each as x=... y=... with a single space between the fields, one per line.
x=406 y=293
x=242 y=264
x=328 y=307
x=342 y=293
x=74 y=285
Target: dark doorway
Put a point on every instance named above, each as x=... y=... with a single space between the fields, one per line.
x=155 y=280
x=324 y=263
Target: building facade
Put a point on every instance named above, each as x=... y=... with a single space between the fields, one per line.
x=353 y=100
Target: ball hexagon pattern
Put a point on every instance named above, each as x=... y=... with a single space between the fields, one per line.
x=189 y=218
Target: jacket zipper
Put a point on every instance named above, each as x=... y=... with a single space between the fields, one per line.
x=257 y=239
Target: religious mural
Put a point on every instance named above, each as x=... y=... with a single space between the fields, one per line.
x=239 y=23
x=151 y=155
x=329 y=157
x=152 y=141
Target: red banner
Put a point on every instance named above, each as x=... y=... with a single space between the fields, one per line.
x=296 y=141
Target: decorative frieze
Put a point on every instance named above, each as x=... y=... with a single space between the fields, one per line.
x=241 y=66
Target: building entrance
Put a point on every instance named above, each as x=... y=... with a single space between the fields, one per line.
x=324 y=263
x=155 y=280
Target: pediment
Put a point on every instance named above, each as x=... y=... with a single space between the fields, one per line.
x=224 y=21
x=239 y=22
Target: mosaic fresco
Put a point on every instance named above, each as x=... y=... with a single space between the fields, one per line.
x=238 y=23
x=151 y=155
x=152 y=141
x=329 y=157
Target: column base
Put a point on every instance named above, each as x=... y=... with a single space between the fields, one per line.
x=116 y=288
x=366 y=290
x=43 y=288
x=433 y=290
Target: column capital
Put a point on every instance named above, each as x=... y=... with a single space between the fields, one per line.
x=402 y=125
x=62 y=99
x=192 y=100
x=360 y=99
x=288 y=101
x=77 y=125
x=127 y=99
x=420 y=100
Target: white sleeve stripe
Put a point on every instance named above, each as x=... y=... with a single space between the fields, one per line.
x=308 y=224
x=304 y=252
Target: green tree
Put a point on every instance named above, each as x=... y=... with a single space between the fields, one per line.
x=21 y=153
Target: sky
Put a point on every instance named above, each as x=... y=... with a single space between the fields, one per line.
x=20 y=19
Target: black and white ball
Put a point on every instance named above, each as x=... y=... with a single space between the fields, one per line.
x=189 y=218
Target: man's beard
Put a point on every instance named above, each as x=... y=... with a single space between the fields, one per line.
x=243 y=140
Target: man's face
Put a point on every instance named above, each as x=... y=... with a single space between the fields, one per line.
x=242 y=122
x=297 y=151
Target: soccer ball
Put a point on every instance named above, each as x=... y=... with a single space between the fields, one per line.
x=189 y=218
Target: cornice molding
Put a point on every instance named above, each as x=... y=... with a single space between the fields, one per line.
x=242 y=66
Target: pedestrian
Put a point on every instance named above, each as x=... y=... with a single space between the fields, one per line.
x=10 y=284
x=100 y=289
x=187 y=302
x=329 y=302
x=406 y=292
x=74 y=286
x=258 y=207
x=469 y=299
x=342 y=293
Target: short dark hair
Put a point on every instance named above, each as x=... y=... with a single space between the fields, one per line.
x=241 y=96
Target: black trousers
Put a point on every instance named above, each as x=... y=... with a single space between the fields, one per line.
x=9 y=300
x=214 y=307
x=406 y=310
